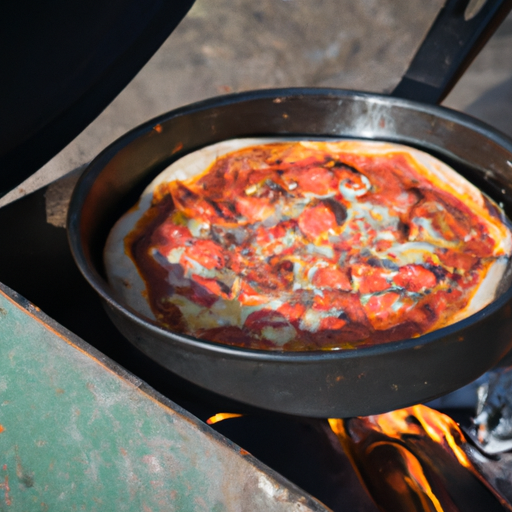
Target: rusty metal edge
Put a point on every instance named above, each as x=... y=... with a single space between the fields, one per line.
x=296 y=493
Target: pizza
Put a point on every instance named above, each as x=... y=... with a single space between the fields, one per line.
x=308 y=245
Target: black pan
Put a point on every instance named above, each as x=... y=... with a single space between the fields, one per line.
x=323 y=384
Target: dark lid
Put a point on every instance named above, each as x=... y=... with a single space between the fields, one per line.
x=61 y=63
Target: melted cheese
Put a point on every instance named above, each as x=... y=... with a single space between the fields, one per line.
x=366 y=227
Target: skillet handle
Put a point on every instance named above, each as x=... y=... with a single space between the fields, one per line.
x=459 y=32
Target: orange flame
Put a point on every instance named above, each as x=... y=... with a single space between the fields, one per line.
x=409 y=480
x=221 y=416
x=439 y=427
x=414 y=479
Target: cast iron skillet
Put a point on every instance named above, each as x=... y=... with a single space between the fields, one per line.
x=323 y=384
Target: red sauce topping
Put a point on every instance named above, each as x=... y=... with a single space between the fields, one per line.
x=316 y=252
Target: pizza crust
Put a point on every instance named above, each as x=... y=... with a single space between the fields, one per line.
x=130 y=288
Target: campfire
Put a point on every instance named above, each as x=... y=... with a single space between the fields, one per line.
x=419 y=459
x=416 y=459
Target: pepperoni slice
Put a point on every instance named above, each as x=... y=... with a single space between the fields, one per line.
x=371 y=279
x=316 y=221
x=349 y=303
x=270 y=325
x=332 y=322
x=229 y=335
x=168 y=236
x=450 y=220
x=205 y=252
x=316 y=180
x=292 y=312
x=254 y=209
x=250 y=297
x=192 y=204
x=213 y=286
x=415 y=278
x=381 y=310
x=332 y=278
x=457 y=259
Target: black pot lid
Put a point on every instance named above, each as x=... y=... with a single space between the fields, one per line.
x=62 y=63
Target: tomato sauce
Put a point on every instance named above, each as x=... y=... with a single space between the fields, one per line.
x=309 y=250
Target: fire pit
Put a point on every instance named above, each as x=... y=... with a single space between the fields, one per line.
x=306 y=451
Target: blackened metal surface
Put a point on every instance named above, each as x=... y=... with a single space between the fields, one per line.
x=492 y=429
x=334 y=384
x=62 y=63
x=319 y=465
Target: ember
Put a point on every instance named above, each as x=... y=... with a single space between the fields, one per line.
x=220 y=417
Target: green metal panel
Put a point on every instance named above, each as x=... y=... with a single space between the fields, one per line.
x=77 y=432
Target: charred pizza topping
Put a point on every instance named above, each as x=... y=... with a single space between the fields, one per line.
x=306 y=246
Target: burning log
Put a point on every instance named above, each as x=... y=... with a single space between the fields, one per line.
x=417 y=459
